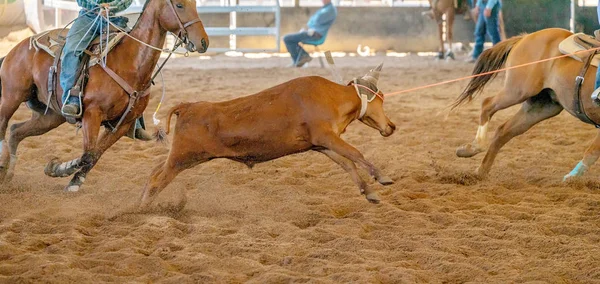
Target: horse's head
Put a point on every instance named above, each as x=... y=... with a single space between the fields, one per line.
x=373 y=116
x=181 y=18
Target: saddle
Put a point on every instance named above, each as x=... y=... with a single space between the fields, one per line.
x=574 y=46
x=53 y=41
x=578 y=43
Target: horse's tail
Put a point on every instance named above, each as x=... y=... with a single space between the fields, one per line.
x=490 y=60
x=161 y=134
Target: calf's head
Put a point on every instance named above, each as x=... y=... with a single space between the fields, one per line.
x=373 y=116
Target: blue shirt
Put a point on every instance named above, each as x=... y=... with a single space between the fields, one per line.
x=322 y=20
x=598 y=12
x=490 y=4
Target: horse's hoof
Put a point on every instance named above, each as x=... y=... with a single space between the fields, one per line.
x=385 y=180
x=373 y=197
x=468 y=150
x=72 y=188
x=50 y=167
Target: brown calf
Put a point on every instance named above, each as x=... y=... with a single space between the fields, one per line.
x=308 y=113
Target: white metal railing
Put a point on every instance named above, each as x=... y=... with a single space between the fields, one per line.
x=232 y=30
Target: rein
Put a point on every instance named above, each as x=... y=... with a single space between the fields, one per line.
x=182 y=38
x=133 y=94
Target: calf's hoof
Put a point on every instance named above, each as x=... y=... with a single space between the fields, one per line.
x=385 y=180
x=481 y=173
x=373 y=197
x=468 y=150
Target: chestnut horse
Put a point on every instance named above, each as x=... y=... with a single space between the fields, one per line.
x=307 y=113
x=439 y=8
x=543 y=90
x=24 y=77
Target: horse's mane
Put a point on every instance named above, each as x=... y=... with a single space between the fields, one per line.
x=143 y=10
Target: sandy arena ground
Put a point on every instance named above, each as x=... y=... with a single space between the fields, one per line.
x=300 y=218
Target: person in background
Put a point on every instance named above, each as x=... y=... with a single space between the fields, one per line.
x=487 y=23
x=317 y=26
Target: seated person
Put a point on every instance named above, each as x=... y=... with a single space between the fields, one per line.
x=317 y=26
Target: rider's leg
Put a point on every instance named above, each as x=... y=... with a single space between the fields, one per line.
x=138 y=131
x=84 y=30
x=597 y=85
x=596 y=88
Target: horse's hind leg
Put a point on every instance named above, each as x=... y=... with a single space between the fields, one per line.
x=37 y=125
x=93 y=148
x=490 y=105
x=532 y=111
x=589 y=158
x=93 y=151
x=8 y=107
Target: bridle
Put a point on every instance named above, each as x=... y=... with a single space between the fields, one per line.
x=182 y=34
x=365 y=98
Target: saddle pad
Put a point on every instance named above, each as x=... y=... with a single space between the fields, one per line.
x=569 y=46
x=50 y=41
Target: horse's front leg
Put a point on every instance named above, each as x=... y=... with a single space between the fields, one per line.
x=91 y=127
x=93 y=148
x=449 y=32
x=91 y=157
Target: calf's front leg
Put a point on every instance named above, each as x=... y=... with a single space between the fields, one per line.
x=339 y=146
x=349 y=167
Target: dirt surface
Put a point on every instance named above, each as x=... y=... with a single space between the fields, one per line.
x=300 y=218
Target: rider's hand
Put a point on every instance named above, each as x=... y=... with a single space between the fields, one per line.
x=487 y=12
x=475 y=11
x=104 y=7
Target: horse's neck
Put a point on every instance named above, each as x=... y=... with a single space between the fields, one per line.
x=135 y=58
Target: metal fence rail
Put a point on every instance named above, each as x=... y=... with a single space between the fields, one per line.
x=232 y=31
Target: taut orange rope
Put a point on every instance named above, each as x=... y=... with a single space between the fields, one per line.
x=491 y=72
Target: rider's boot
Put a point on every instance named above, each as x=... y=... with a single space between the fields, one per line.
x=138 y=131
x=71 y=105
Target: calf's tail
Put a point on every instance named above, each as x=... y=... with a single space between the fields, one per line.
x=161 y=134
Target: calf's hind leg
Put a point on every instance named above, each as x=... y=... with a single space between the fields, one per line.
x=163 y=175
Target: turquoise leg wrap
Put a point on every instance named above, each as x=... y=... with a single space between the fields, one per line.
x=579 y=170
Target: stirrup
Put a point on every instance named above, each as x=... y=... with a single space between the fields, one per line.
x=78 y=115
x=595 y=98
